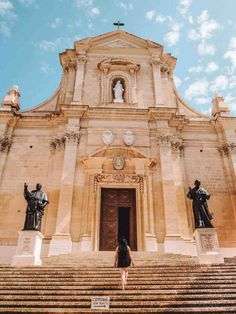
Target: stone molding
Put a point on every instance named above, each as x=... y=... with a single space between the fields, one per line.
x=226 y=148
x=5 y=143
x=117 y=177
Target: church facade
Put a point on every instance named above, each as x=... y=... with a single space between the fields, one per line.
x=116 y=149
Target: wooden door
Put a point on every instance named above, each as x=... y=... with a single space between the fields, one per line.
x=112 y=200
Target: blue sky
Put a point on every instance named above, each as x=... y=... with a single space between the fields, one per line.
x=200 y=33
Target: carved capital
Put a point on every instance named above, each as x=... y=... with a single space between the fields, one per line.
x=81 y=59
x=163 y=139
x=57 y=143
x=72 y=136
x=177 y=146
x=156 y=61
x=165 y=69
x=5 y=143
x=226 y=148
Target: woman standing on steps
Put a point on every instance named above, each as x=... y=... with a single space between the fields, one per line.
x=123 y=259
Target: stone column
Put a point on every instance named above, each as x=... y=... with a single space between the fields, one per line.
x=61 y=240
x=157 y=81
x=79 y=79
x=173 y=242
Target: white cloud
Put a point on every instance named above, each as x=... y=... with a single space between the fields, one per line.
x=56 y=22
x=178 y=81
x=221 y=82
x=5 y=7
x=202 y=100
x=211 y=67
x=183 y=6
x=193 y=34
x=46 y=68
x=205 y=49
x=160 y=18
x=173 y=37
x=94 y=11
x=4 y=29
x=84 y=3
x=58 y=43
x=27 y=3
x=198 y=88
x=206 y=27
x=125 y=6
x=195 y=69
x=150 y=15
x=231 y=52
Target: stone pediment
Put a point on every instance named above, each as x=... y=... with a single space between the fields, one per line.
x=116 y=39
x=118 y=43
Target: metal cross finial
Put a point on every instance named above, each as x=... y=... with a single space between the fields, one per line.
x=118 y=24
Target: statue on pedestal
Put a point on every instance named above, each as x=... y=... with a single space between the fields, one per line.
x=37 y=200
x=118 y=92
x=202 y=216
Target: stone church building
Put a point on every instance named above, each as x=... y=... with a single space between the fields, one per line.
x=115 y=149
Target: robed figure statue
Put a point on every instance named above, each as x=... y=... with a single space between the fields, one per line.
x=37 y=200
x=199 y=196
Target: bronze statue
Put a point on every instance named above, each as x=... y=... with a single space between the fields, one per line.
x=37 y=200
x=202 y=216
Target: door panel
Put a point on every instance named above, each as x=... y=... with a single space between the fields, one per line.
x=111 y=201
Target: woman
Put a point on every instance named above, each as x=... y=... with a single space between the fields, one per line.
x=123 y=259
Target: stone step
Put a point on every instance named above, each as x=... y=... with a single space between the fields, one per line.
x=180 y=310
x=127 y=304
x=124 y=297
x=130 y=292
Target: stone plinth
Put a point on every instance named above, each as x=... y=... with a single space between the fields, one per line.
x=28 y=249
x=60 y=244
x=208 y=246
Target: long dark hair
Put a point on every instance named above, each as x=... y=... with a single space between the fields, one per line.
x=123 y=246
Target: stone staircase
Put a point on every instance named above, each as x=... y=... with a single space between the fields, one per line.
x=158 y=283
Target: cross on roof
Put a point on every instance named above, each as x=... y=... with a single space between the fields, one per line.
x=118 y=24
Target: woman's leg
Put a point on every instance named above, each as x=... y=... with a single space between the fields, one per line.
x=123 y=278
x=126 y=275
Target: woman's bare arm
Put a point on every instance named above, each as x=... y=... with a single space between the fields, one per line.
x=130 y=255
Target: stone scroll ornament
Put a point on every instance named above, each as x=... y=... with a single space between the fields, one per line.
x=199 y=196
x=36 y=202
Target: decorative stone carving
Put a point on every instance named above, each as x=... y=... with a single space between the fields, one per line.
x=118 y=92
x=12 y=98
x=118 y=162
x=118 y=177
x=5 y=143
x=177 y=146
x=163 y=139
x=72 y=136
x=165 y=69
x=128 y=138
x=107 y=137
x=152 y=163
x=225 y=149
x=57 y=142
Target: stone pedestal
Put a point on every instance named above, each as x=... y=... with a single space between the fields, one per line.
x=208 y=246
x=151 y=242
x=28 y=249
x=60 y=244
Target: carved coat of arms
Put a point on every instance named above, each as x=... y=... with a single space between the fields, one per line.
x=118 y=162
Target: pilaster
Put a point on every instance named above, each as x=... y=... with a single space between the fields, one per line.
x=61 y=240
x=79 y=79
x=156 y=62
x=173 y=242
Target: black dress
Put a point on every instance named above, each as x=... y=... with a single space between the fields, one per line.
x=124 y=259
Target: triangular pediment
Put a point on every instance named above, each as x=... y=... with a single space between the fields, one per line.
x=117 y=39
